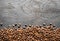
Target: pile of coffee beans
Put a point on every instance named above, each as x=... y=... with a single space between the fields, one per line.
x=30 y=33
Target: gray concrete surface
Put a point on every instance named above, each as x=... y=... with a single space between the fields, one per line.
x=30 y=11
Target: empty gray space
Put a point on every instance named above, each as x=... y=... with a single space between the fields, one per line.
x=30 y=12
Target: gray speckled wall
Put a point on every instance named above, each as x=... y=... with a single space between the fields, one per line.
x=30 y=11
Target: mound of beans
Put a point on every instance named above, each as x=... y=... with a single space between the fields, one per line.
x=31 y=33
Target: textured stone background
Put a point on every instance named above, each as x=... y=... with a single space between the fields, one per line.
x=30 y=11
